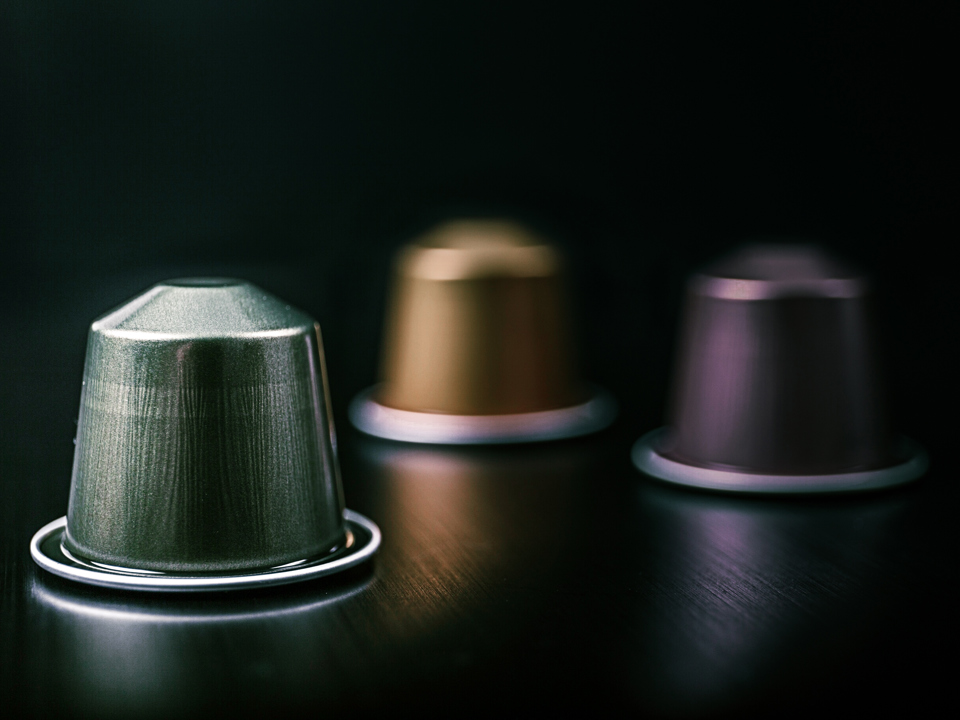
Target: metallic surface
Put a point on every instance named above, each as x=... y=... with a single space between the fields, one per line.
x=363 y=540
x=477 y=344
x=386 y=422
x=913 y=464
x=205 y=442
x=777 y=374
x=477 y=325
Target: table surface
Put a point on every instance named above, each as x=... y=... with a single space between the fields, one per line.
x=527 y=577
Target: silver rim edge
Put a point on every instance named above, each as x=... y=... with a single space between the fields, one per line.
x=649 y=461
x=219 y=582
x=372 y=418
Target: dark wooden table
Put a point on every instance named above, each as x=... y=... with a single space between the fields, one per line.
x=513 y=579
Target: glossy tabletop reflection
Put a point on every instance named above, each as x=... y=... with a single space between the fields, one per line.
x=550 y=576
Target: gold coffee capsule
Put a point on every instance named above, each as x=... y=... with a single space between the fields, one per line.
x=477 y=346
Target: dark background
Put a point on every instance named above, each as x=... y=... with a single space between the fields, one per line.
x=298 y=144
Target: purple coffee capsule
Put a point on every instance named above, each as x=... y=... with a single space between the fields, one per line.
x=776 y=386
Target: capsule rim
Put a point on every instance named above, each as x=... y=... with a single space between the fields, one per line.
x=649 y=461
x=365 y=531
x=372 y=418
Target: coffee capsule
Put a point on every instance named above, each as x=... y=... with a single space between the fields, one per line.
x=205 y=453
x=777 y=386
x=477 y=345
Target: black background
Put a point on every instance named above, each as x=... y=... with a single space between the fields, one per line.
x=298 y=144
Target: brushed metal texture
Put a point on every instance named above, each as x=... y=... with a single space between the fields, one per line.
x=205 y=441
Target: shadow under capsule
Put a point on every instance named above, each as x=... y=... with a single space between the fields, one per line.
x=104 y=653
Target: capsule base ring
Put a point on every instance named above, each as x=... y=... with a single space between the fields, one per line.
x=48 y=553
x=649 y=461
x=372 y=418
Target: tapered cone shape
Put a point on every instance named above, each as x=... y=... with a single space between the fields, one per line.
x=777 y=385
x=477 y=344
x=478 y=325
x=205 y=442
x=778 y=368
